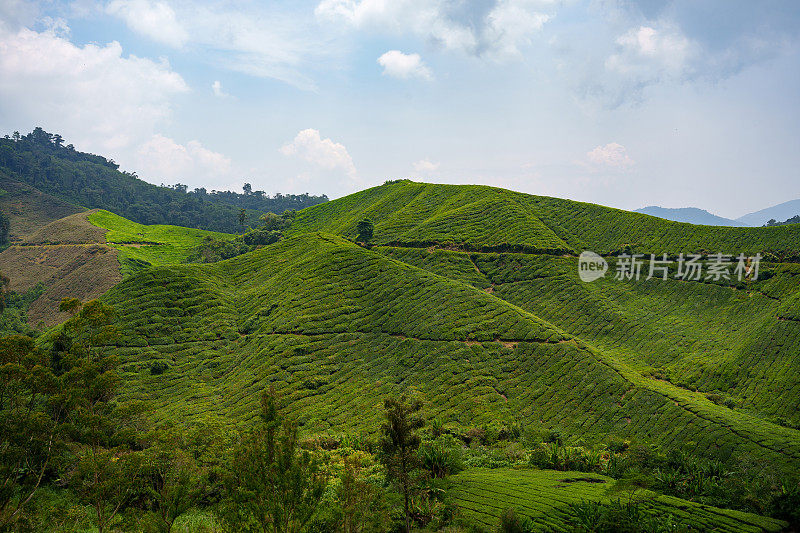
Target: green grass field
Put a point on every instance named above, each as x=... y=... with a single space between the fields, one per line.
x=544 y=496
x=141 y=246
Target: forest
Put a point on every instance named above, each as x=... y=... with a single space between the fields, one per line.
x=42 y=160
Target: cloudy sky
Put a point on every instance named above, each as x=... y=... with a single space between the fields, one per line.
x=620 y=102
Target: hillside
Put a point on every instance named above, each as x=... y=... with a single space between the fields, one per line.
x=85 y=254
x=336 y=327
x=470 y=296
x=29 y=209
x=43 y=162
x=482 y=218
x=691 y=215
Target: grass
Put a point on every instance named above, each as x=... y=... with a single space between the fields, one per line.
x=141 y=246
x=546 y=496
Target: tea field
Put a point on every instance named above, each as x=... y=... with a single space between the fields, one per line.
x=545 y=497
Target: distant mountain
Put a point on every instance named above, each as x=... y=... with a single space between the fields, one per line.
x=778 y=212
x=692 y=215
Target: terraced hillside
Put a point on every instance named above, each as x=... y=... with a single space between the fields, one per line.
x=476 y=217
x=336 y=327
x=69 y=258
x=545 y=497
x=740 y=341
x=84 y=254
x=141 y=246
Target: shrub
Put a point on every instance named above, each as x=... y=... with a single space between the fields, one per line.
x=441 y=457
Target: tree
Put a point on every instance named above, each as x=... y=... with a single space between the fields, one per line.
x=247 y=189
x=173 y=480
x=364 y=230
x=105 y=473
x=272 y=484
x=242 y=217
x=4 y=281
x=5 y=226
x=399 y=442
x=31 y=423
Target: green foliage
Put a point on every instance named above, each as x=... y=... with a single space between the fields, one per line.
x=441 y=457
x=364 y=230
x=399 y=444
x=271 y=484
x=211 y=250
x=510 y=522
x=14 y=318
x=41 y=160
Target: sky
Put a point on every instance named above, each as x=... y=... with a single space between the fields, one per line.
x=625 y=103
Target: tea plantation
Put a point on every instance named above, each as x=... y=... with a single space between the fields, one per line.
x=470 y=296
x=545 y=498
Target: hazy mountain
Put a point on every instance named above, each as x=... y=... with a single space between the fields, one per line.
x=779 y=212
x=692 y=215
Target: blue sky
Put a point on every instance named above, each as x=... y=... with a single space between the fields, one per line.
x=623 y=103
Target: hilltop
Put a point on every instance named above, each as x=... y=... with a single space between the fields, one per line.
x=482 y=218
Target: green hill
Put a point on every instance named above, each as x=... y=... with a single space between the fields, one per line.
x=336 y=327
x=47 y=165
x=481 y=218
x=545 y=498
x=471 y=296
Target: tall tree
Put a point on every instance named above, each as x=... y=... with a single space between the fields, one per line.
x=31 y=423
x=273 y=485
x=399 y=442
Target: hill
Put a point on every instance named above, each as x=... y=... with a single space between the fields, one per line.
x=691 y=215
x=29 y=209
x=41 y=160
x=481 y=218
x=85 y=254
x=470 y=296
x=336 y=327
x=779 y=212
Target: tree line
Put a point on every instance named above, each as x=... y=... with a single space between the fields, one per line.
x=42 y=160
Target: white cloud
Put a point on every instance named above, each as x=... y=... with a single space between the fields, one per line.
x=162 y=159
x=156 y=20
x=323 y=153
x=496 y=29
x=91 y=94
x=646 y=52
x=217 y=88
x=262 y=42
x=424 y=167
x=612 y=155
x=399 y=65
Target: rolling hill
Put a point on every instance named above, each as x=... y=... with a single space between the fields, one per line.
x=469 y=295
x=481 y=218
x=514 y=338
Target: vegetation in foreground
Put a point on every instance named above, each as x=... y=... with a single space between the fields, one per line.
x=73 y=456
